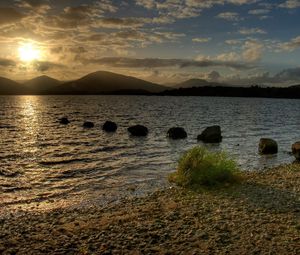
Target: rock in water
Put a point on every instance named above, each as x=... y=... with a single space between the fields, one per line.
x=88 y=124
x=138 y=130
x=110 y=126
x=296 y=150
x=177 y=133
x=64 y=121
x=211 y=135
x=267 y=146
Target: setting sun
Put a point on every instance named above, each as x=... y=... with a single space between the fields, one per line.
x=28 y=52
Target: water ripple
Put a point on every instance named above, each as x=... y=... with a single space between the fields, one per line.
x=43 y=161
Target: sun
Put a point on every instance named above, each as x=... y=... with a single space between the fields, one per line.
x=29 y=52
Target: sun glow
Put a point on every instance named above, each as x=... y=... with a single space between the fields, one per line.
x=29 y=52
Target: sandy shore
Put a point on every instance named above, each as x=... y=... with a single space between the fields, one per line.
x=259 y=216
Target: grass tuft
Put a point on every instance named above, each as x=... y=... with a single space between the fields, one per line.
x=198 y=166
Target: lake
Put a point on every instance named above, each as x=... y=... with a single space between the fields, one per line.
x=45 y=165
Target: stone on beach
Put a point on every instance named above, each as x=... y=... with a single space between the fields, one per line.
x=211 y=134
x=177 y=133
x=296 y=150
x=64 y=121
x=267 y=146
x=88 y=124
x=138 y=130
x=110 y=126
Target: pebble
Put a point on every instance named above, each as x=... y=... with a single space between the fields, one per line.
x=259 y=216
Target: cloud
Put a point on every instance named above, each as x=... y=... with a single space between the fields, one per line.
x=211 y=3
x=233 y=42
x=122 y=22
x=290 y=4
x=293 y=44
x=121 y=62
x=42 y=66
x=289 y=74
x=75 y=17
x=213 y=76
x=37 y=5
x=252 y=31
x=201 y=39
x=148 y=4
x=7 y=62
x=252 y=51
x=259 y=11
x=132 y=38
x=181 y=9
x=9 y=15
x=283 y=78
x=229 y=56
x=77 y=35
x=230 y=16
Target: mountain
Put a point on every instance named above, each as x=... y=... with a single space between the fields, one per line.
x=9 y=87
x=105 y=83
x=41 y=84
x=192 y=83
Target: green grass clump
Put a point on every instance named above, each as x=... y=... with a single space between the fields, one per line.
x=198 y=166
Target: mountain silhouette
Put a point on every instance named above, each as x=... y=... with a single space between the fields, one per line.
x=116 y=84
x=9 y=87
x=41 y=84
x=107 y=82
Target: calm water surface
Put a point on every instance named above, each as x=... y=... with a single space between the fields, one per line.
x=45 y=165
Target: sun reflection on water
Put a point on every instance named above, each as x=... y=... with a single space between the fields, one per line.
x=29 y=120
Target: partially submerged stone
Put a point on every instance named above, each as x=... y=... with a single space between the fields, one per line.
x=138 y=130
x=88 y=124
x=110 y=126
x=211 y=134
x=177 y=133
x=64 y=121
x=267 y=146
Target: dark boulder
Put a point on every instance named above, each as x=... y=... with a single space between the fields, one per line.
x=296 y=150
x=267 y=146
x=177 y=133
x=138 y=130
x=64 y=121
x=211 y=135
x=109 y=126
x=88 y=124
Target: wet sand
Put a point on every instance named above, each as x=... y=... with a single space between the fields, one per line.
x=261 y=215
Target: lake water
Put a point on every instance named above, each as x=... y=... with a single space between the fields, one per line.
x=45 y=165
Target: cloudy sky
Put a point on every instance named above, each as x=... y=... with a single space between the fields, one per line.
x=165 y=41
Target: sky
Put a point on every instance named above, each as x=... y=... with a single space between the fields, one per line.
x=241 y=42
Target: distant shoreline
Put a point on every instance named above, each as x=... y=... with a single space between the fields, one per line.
x=242 y=92
x=151 y=95
x=259 y=215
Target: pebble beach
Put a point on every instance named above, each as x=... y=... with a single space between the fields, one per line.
x=260 y=215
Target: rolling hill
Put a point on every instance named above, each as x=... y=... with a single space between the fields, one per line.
x=41 y=84
x=106 y=82
x=9 y=87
